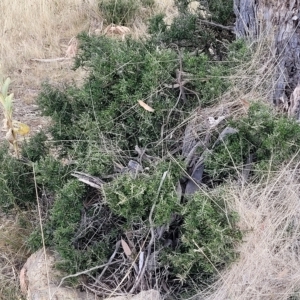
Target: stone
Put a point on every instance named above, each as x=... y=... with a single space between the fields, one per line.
x=36 y=284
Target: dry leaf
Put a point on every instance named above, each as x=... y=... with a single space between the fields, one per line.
x=20 y=128
x=23 y=281
x=72 y=48
x=245 y=103
x=9 y=136
x=5 y=124
x=119 y=30
x=126 y=248
x=145 y=106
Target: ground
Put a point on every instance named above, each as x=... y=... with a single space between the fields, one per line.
x=35 y=31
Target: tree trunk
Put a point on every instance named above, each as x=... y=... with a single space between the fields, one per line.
x=256 y=18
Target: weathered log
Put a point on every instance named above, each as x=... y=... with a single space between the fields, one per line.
x=280 y=18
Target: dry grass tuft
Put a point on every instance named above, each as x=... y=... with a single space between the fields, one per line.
x=40 y=29
x=13 y=253
x=269 y=263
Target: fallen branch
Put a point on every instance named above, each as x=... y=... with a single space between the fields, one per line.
x=46 y=60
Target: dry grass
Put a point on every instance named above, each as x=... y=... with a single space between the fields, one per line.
x=13 y=253
x=40 y=29
x=269 y=263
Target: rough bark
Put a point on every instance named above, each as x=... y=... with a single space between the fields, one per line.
x=257 y=18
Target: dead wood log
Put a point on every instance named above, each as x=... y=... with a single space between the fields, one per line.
x=279 y=18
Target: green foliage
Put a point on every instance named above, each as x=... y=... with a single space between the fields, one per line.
x=209 y=82
x=61 y=228
x=208 y=235
x=187 y=30
x=132 y=196
x=238 y=51
x=97 y=125
x=157 y=24
x=221 y=10
x=16 y=181
x=51 y=174
x=182 y=5
x=268 y=136
x=36 y=148
x=147 y=3
x=121 y=73
x=183 y=28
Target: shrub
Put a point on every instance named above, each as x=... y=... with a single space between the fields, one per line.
x=221 y=11
x=62 y=228
x=16 y=181
x=132 y=197
x=187 y=30
x=99 y=124
x=121 y=73
x=207 y=237
x=95 y=128
x=36 y=148
x=263 y=133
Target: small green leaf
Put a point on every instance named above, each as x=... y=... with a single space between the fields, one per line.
x=5 y=87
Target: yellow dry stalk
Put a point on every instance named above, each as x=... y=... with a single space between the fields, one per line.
x=12 y=127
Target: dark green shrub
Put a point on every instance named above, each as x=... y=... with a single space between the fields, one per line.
x=188 y=31
x=16 y=181
x=81 y=242
x=157 y=24
x=97 y=125
x=147 y=3
x=121 y=73
x=132 y=196
x=182 y=29
x=221 y=11
x=207 y=237
x=123 y=12
x=36 y=148
x=51 y=174
x=268 y=136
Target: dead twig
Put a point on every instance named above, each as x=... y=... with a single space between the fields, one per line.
x=109 y=261
x=47 y=60
x=87 y=271
x=142 y=271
